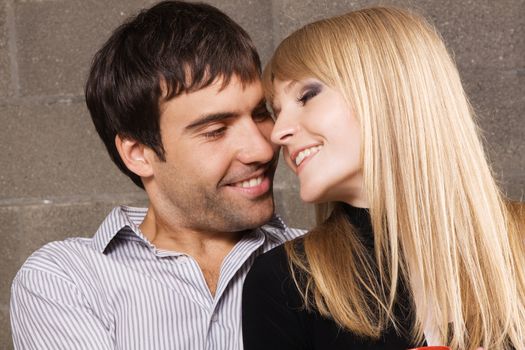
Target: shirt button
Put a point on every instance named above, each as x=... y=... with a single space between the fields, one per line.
x=214 y=318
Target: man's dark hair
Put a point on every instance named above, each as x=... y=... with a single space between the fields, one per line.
x=171 y=48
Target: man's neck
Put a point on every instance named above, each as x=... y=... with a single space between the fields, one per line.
x=207 y=248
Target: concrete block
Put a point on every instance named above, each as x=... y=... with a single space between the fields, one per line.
x=289 y=204
x=57 y=40
x=290 y=15
x=480 y=33
x=5 y=330
x=53 y=150
x=5 y=69
x=255 y=17
x=498 y=96
x=284 y=176
x=293 y=210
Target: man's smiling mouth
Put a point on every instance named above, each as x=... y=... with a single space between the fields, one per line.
x=248 y=183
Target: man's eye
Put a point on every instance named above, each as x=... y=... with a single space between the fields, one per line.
x=262 y=115
x=215 y=133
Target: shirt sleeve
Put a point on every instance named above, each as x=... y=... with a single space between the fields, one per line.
x=271 y=307
x=50 y=312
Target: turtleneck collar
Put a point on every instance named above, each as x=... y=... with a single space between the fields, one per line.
x=360 y=219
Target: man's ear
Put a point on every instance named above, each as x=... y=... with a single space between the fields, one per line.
x=133 y=154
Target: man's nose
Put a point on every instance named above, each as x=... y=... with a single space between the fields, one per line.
x=255 y=146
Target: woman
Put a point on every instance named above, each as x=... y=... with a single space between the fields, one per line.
x=415 y=244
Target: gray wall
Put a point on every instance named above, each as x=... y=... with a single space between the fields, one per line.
x=57 y=180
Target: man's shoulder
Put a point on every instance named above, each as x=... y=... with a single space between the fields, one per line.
x=74 y=251
x=55 y=256
x=58 y=267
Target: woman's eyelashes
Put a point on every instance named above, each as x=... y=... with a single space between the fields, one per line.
x=309 y=92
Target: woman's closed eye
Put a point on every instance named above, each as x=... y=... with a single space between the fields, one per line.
x=309 y=92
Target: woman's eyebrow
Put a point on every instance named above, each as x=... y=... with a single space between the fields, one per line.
x=275 y=107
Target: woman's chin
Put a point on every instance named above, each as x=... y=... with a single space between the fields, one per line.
x=311 y=197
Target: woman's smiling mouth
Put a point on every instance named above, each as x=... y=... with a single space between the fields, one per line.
x=300 y=157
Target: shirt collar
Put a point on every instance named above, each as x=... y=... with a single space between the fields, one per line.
x=126 y=220
x=122 y=218
x=275 y=229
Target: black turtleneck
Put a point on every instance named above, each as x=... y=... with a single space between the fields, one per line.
x=274 y=318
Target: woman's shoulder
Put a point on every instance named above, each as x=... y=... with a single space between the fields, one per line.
x=270 y=281
x=272 y=270
x=275 y=261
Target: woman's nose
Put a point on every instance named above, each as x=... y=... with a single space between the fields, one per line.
x=283 y=130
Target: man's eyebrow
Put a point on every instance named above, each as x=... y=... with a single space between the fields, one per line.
x=209 y=119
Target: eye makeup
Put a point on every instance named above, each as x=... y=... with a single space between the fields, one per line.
x=308 y=91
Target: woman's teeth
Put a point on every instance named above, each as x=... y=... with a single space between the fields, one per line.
x=305 y=153
x=256 y=181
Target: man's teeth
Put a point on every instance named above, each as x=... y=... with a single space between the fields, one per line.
x=305 y=153
x=256 y=181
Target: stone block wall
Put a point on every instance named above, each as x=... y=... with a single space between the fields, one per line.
x=56 y=179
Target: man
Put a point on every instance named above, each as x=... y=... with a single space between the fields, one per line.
x=175 y=96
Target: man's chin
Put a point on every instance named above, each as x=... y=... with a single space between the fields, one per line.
x=260 y=215
x=256 y=215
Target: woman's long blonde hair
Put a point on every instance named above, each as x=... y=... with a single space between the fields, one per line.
x=439 y=219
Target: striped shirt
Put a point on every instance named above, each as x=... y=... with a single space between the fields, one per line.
x=118 y=291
